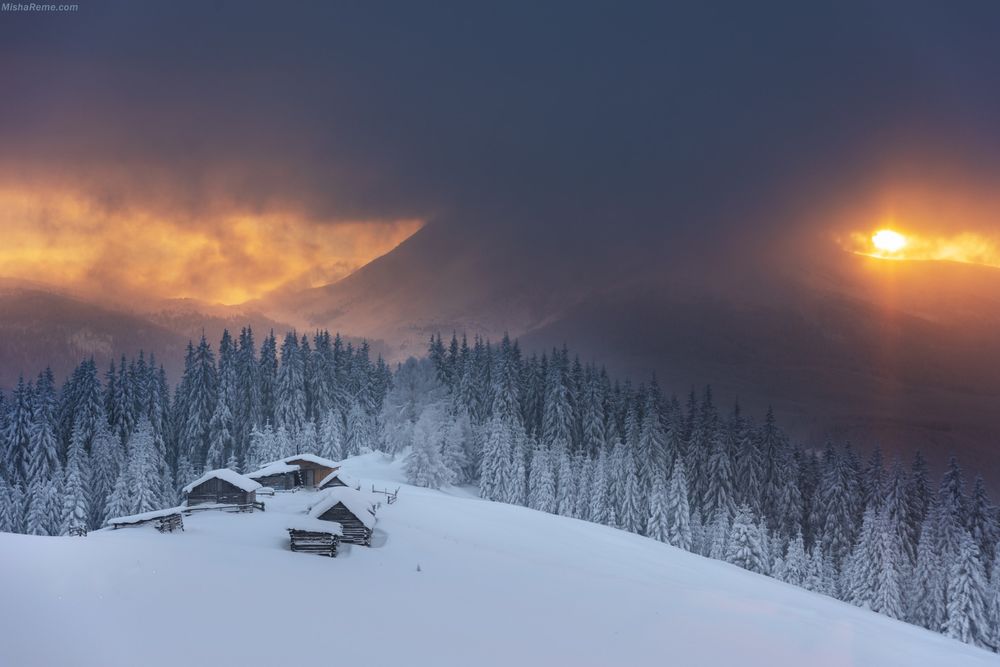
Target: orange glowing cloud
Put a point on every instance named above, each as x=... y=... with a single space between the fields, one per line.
x=965 y=247
x=932 y=222
x=67 y=239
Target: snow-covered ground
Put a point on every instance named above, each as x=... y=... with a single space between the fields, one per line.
x=451 y=580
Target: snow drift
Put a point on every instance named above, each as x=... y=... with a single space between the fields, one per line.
x=451 y=580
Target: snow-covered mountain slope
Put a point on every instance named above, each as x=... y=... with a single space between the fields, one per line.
x=451 y=580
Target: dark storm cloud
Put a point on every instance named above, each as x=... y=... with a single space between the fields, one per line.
x=581 y=119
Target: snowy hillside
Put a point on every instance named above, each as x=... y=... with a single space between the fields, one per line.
x=450 y=580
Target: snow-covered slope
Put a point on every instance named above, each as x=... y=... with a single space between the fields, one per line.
x=451 y=580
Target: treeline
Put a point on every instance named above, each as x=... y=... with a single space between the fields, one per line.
x=555 y=435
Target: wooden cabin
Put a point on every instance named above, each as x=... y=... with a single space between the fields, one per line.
x=222 y=486
x=312 y=468
x=335 y=479
x=306 y=470
x=278 y=475
x=353 y=510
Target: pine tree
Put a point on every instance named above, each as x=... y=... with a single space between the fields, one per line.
x=457 y=431
x=599 y=504
x=719 y=498
x=496 y=453
x=966 y=618
x=566 y=490
x=424 y=466
x=795 y=568
x=331 y=435
x=982 y=521
x=105 y=462
x=926 y=597
x=541 y=481
x=657 y=525
x=76 y=507
x=678 y=511
x=746 y=543
x=631 y=511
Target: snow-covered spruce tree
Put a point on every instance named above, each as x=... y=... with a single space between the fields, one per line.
x=76 y=507
x=424 y=465
x=631 y=515
x=517 y=483
x=541 y=481
x=678 y=511
x=795 y=566
x=717 y=537
x=456 y=431
x=599 y=491
x=261 y=448
x=566 y=491
x=837 y=493
x=747 y=548
x=10 y=511
x=657 y=525
x=331 y=435
x=199 y=403
x=584 y=471
x=926 y=594
x=982 y=522
x=496 y=452
x=105 y=464
x=965 y=614
x=247 y=410
x=872 y=574
x=898 y=513
x=358 y=433
x=306 y=441
x=135 y=490
x=221 y=443
x=290 y=398
x=719 y=498
x=993 y=600
x=42 y=459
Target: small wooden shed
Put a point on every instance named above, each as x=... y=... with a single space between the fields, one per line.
x=297 y=470
x=353 y=510
x=314 y=536
x=335 y=479
x=278 y=475
x=222 y=486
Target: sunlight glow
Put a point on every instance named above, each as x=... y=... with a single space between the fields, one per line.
x=889 y=241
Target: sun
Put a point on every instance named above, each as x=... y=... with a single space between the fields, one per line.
x=887 y=240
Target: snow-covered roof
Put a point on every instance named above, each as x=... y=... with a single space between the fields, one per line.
x=312 y=458
x=276 y=468
x=144 y=516
x=225 y=474
x=314 y=525
x=349 y=481
x=358 y=503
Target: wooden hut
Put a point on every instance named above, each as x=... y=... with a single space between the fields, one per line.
x=312 y=468
x=335 y=479
x=314 y=536
x=278 y=475
x=353 y=510
x=222 y=486
x=298 y=470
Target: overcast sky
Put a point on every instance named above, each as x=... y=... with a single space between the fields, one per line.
x=601 y=120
